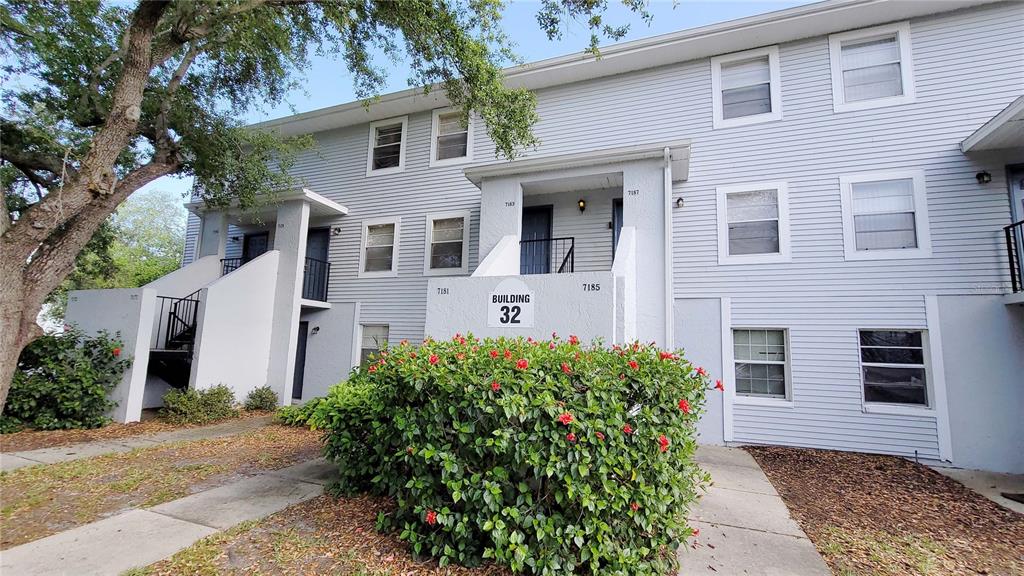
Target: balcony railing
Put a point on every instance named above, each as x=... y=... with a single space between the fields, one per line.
x=543 y=255
x=315 y=278
x=1015 y=253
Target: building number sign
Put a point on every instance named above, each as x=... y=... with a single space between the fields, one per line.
x=510 y=305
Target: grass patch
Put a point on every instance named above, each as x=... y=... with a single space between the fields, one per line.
x=41 y=500
x=892 y=554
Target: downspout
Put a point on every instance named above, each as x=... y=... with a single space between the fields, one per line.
x=669 y=316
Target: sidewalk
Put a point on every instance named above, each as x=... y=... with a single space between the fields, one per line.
x=140 y=537
x=745 y=527
x=13 y=460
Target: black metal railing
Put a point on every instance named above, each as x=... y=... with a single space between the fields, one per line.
x=229 y=265
x=176 y=322
x=542 y=256
x=315 y=277
x=1015 y=252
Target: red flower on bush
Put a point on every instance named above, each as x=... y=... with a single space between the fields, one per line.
x=633 y=364
x=116 y=352
x=684 y=406
x=495 y=386
x=622 y=376
x=508 y=354
x=701 y=371
x=433 y=359
x=570 y=437
x=718 y=386
x=373 y=368
x=431 y=517
x=554 y=335
x=494 y=353
x=412 y=354
x=529 y=340
x=663 y=443
x=551 y=345
x=573 y=339
x=566 y=369
x=522 y=364
x=634 y=506
x=462 y=341
x=668 y=356
x=600 y=436
x=404 y=343
x=696 y=532
x=460 y=356
x=627 y=429
x=565 y=418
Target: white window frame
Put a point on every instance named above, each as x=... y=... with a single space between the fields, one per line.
x=894 y=408
x=434 y=127
x=738 y=398
x=775 y=88
x=835 y=52
x=359 y=342
x=924 y=238
x=782 y=194
x=427 y=237
x=404 y=120
x=394 y=254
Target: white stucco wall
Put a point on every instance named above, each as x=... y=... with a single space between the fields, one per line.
x=561 y=304
x=330 y=351
x=698 y=331
x=291 y=227
x=983 y=352
x=188 y=279
x=233 y=338
x=128 y=312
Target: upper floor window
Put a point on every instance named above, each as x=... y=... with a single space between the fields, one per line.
x=447 y=246
x=387 y=146
x=746 y=87
x=871 y=67
x=885 y=215
x=753 y=223
x=893 y=366
x=378 y=255
x=451 y=138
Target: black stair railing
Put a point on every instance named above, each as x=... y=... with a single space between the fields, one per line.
x=315 y=279
x=1015 y=253
x=176 y=322
x=539 y=256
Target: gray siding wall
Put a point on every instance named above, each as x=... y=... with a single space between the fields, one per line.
x=593 y=237
x=968 y=66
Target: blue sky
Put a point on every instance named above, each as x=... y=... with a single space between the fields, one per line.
x=328 y=82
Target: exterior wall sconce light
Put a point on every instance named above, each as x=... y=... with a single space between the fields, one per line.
x=234 y=238
x=336 y=230
x=315 y=330
x=983 y=177
x=679 y=202
x=582 y=204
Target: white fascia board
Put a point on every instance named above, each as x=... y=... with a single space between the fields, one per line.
x=999 y=131
x=776 y=27
x=680 y=161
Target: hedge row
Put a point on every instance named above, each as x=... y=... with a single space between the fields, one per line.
x=549 y=457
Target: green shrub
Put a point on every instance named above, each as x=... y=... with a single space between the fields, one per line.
x=297 y=415
x=199 y=406
x=62 y=381
x=549 y=457
x=262 y=398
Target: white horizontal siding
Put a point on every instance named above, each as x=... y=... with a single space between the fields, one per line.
x=191 y=239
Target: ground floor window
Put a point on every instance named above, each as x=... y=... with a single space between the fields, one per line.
x=760 y=357
x=893 y=366
x=374 y=336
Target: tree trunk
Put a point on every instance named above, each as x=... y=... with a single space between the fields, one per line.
x=15 y=332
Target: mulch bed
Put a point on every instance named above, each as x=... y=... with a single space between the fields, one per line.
x=41 y=500
x=872 y=514
x=34 y=439
x=324 y=535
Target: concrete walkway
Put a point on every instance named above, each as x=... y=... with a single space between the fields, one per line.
x=14 y=460
x=991 y=485
x=141 y=537
x=745 y=528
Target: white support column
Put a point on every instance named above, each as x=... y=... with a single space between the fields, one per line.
x=501 y=214
x=213 y=234
x=290 y=240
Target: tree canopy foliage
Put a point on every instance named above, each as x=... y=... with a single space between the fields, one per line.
x=99 y=99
